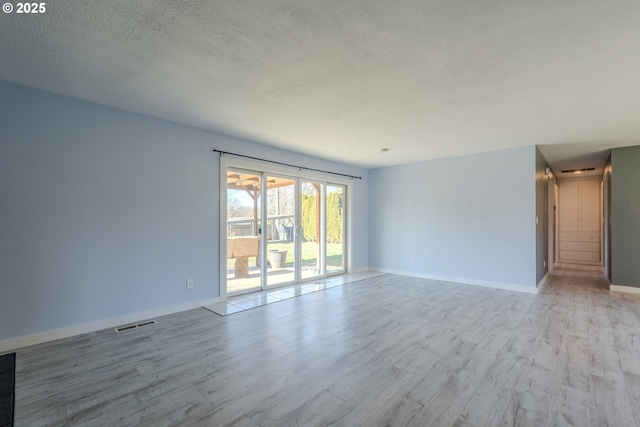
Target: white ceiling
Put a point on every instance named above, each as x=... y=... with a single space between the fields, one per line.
x=342 y=79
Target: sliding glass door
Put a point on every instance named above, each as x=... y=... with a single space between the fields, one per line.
x=335 y=200
x=244 y=213
x=281 y=230
x=312 y=230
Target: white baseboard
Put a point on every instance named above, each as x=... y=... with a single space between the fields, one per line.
x=113 y=322
x=542 y=282
x=628 y=289
x=464 y=281
x=359 y=270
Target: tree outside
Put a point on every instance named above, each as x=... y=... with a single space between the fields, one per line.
x=334 y=217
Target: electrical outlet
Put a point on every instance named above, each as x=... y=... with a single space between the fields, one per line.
x=545 y=263
x=189 y=283
x=412 y=260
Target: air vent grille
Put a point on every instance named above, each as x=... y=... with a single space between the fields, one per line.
x=135 y=326
x=578 y=170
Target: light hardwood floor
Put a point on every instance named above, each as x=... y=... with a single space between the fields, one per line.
x=386 y=351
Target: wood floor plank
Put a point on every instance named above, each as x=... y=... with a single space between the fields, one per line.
x=574 y=364
x=525 y=409
x=569 y=407
x=625 y=337
x=529 y=404
x=287 y=406
x=604 y=359
x=366 y=398
x=78 y=393
x=610 y=403
x=452 y=358
x=528 y=329
x=248 y=396
x=497 y=337
x=488 y=404
x=447 y=403
x=387 y=350
x=398 y=411
x=633 y=387
x=309 y=413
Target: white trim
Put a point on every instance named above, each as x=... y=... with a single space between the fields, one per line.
x=322 y=238
x=360 y=270
x=541 y=284
x=461 y=280
x=551 y=222
x=113 y=322
x=289 y=171
x=263 y=226
x=222 y=240
x=347 y=229
x=298 y=174
x=297 y=230
x=627 y=289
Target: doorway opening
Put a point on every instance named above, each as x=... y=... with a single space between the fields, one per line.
x=579 y=223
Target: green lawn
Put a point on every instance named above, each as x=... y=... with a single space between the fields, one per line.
x=309 y=254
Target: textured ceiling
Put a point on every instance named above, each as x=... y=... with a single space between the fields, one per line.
x=343 y=79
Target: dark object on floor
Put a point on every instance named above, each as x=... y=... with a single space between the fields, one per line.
x=7 y=386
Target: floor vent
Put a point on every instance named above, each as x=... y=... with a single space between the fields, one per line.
x=136 y=326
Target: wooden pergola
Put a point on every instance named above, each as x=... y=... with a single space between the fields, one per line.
x=251 y=184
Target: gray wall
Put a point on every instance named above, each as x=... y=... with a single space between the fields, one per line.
x=105 y=213
x=470 y=218
x=625 y=215
x=542 y=213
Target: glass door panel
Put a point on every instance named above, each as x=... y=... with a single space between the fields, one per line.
x=312 y=231
x=280 y=230
x=243 y=231
x=335 y=228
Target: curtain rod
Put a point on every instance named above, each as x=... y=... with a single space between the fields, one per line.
x=285 y=164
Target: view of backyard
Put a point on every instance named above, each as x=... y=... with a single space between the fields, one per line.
x=309 y=255
x=319 y=218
